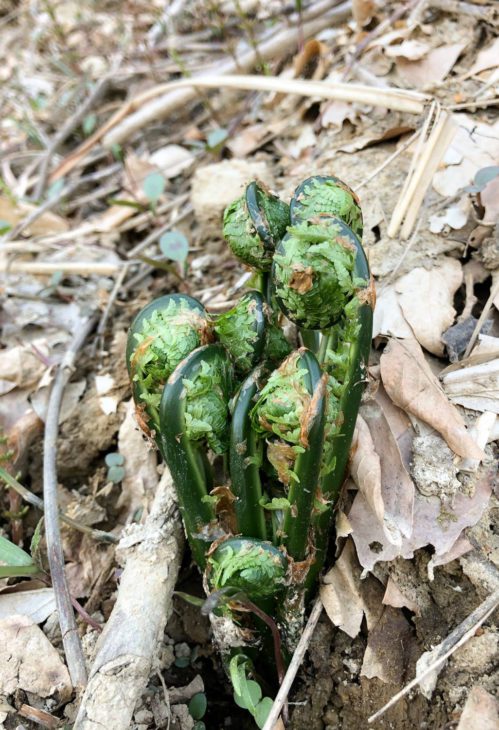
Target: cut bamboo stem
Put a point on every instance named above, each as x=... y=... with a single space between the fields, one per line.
x=425 y=162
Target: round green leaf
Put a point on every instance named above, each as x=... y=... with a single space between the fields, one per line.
x=89 y=124
x=486 y=175
x=250 y=696
x=174 y=245
x=197 y=706
x=114 y=459
x=4 y=227
x=262 y=711
x=153 y=186
x=116 y=474
x=216 y=138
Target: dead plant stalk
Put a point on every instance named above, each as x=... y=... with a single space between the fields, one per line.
x=70 y=638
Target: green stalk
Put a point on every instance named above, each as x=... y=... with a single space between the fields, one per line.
x=302 y=490
x=311 y=339
x=245 y=461
x=180 y=453
x=355 y=349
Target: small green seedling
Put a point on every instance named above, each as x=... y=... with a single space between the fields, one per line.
x=116 y=471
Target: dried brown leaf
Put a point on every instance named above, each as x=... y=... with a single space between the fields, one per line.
x=433 y=525
x=363 y=11
x=412 y=386
x=388 y=647
x=426 y=297
x=397 y=487
x=35 y=605
x=487 y=58
x=340 y=592
x=388 y=316
x=432 y=69
x=395 y=597
x=29 y=662
x=365 y=468
x=23 y=366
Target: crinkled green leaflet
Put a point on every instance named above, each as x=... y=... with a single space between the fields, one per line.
x=162 y=335
x=313 y=272
x=241 y=331
x=194 y=415
x=326 y=195
x=292 y=407
x=255 y=567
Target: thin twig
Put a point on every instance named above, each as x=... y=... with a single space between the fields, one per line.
x=71 y=124
x=294 y=665
x=38 y=503
x=389 y=160
x=157 y=103
x=156 y=234
x=456 y=638
x=101 y=327
x=46 y=268
x=488 y=304
x=70 y=638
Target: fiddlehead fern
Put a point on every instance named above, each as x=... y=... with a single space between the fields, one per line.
x=163 y=333
x=292 y=407
x=256 y=568
x=313 y=272
x=241 y=331
x=193 y=416
x=253 y=224
x=326 y=195
x=287 y=433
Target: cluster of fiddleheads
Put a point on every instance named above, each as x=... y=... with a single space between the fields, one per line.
x=256 y=428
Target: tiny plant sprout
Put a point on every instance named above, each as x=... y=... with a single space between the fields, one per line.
x=256 y=428
x=174 y=245
x=153 y=187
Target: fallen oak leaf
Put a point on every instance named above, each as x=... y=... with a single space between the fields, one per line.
x=397 y=487
x=434 y=524
x=365 y=468
x=426 y=297
x=412 y=386
x=346 y=598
